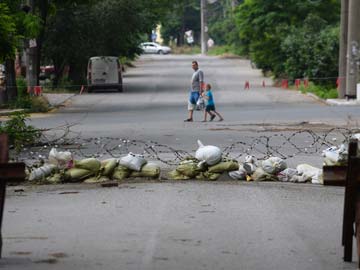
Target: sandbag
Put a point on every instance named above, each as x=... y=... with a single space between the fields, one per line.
x=335 y=155
x=77 y=174
x=287 y=175
x=261 y=175
x=240 y=174
x=148 y=170
x=90 y=164
x=121 y=173
x=188 y=168
x=225 y=165
x=96 y=179
x=249 y=159
x=108 y=166
x=133 y=161
x=175 y=175
x=42 y=172
x=273 y=165
x=60 y=159
x=209 y=154
x=54 y=179
x=212 y=176
x=249 y=167
x=313 y=173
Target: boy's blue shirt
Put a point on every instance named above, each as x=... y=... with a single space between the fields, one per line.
x=210 y=100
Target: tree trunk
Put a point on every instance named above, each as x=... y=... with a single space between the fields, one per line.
x=10 y=77
x=343 y=48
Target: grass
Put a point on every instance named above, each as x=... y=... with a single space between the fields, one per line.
x=320 y=91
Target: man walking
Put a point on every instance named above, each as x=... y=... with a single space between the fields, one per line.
x=197 y=81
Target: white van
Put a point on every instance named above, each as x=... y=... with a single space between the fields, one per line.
x=104 y=72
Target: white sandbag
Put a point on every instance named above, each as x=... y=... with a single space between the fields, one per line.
x=287 y=175
x=133 y=161
x=310 y=172
x=273 y=165
x=209 y=153
x=240 y=174
x=335 y=155
x=249 y=167
x=249 y=159
x=61 y=159
x=42 y=172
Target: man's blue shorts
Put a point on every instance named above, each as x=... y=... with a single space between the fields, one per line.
x=194 y=96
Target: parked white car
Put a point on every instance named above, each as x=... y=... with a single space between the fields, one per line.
x=152 y=47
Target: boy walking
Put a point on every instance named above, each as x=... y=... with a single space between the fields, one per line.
x=210 y=105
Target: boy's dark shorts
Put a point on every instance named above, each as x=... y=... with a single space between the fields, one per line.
x=209 y=108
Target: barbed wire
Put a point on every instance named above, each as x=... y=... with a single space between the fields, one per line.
x=285 y=145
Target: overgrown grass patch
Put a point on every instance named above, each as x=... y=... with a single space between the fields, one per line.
x=323 y=92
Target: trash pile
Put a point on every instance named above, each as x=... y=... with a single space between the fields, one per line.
x=62 y=168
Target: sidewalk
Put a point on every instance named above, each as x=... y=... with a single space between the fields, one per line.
x=55 y=100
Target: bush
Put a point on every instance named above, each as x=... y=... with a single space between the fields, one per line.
x=39 y=104
x=20 y=134
x=320 y=91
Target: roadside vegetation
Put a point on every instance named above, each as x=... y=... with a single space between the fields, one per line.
x=287 y=39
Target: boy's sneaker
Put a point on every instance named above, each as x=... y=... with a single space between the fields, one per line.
x=188 y=120
x=212 y=117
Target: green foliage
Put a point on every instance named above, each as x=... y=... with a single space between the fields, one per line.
x=8 y=34
x=312 y=50
x=19 y=132
x=324 y=92
x=274 y=35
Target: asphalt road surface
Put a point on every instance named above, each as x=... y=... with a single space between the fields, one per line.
x=183 y=225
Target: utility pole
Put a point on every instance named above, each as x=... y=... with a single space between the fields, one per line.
x=204 y=28
x=353 y=41
x=31 y=61
x=343 y=47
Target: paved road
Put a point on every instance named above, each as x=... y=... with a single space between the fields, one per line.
x=184 y=225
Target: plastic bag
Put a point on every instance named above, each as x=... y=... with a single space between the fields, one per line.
x=310 y=172
x=61 y=159
x=209 y=153
x=42 y=172
x=273 y=165
x=200 y=104
x=133 y=161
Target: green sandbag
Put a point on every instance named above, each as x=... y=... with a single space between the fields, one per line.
x=54 y=179
x=261 y=175
x=108 y=166
x=121 y=173
x=148 y=170
x=90 y=164
x=225 y=165
x=76 y=174
x=188 y=168
x=212 y=176
x=96 y=179
x=201 y=176
x=175 y=175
